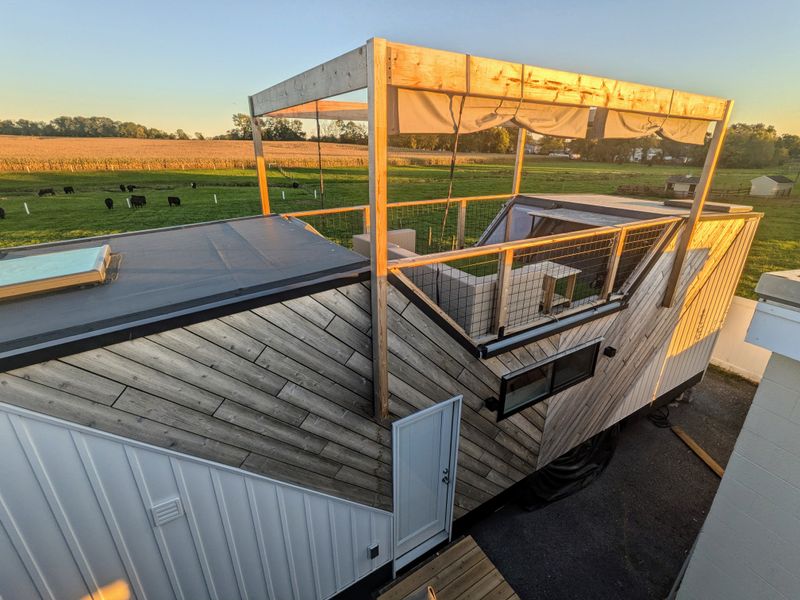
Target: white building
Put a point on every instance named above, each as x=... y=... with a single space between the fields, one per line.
x=772 y=186
x=682 y=185
x=749 y=546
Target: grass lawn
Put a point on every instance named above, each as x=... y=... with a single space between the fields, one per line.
x=777 y=244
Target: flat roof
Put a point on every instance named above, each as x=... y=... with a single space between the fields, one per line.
x=633 y=209
x=163 y=274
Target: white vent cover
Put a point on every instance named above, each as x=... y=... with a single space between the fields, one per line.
x=166 y=511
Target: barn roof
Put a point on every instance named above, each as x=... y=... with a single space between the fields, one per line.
x=684 y=179
x=167 y=275
x=779 y=178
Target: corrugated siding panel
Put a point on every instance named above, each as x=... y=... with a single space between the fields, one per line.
x=77 y=518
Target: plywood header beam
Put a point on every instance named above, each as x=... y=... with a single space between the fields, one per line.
x=328 y=109
x=415 y=67
x=345 y=73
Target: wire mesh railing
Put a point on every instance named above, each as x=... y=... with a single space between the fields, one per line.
x=439 y=225
x=493 y=290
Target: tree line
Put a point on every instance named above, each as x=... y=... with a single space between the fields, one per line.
x=89 y=127
x=746 y=145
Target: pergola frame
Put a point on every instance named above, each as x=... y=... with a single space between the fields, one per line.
x=379 y=64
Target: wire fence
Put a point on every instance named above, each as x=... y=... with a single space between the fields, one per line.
x=512 y=286
x=438 y=225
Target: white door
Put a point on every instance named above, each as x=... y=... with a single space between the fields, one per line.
x=425 y=446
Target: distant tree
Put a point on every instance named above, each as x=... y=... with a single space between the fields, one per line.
x=181 y=134
x=199 y=136
x=282 y=129
x=749 y=146
x=349 y=132
x=791 y=144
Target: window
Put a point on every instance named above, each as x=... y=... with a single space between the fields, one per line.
x=533 y=384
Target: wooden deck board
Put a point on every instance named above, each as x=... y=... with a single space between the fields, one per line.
x=460 y=571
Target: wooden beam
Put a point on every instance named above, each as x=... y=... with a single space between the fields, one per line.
x=522 y=136
x=343 y=74
x=500 y=317
x=700 y=194
x=261 y=167
x=613 y=264
x=378 y=160
x=415 y=67
x=328 y=109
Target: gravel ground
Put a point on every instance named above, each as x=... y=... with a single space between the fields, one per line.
x=627 y=534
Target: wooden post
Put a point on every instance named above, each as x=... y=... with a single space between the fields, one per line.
x=261 y=167
x=700 y=195
x=379 y=286
x=366 y=218
x=506 y=261
x=520 y=157
x=613 y=265
x=461 y=224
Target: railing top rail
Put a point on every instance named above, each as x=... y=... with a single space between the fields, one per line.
x=439 y=257
x=390 y=205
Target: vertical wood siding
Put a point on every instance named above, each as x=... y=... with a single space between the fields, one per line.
x=77 y=518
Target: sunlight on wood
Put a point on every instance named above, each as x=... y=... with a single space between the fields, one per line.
x=118 y=590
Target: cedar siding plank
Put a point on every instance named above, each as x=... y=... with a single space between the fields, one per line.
x=136 y=375
x=75 y=381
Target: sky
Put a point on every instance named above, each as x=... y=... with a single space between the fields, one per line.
x=191 y=65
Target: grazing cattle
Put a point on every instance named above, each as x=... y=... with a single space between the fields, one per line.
x=121 y=187
x=295 y=185
x=174 y=201
x=130 y=188
x=2 y=213
x=68 y=189
x=109 y=203
x=46 y=192
x=194 y=185
x=138 y=201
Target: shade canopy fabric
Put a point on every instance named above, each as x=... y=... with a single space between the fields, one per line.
x=418 y=111
x=626 y=125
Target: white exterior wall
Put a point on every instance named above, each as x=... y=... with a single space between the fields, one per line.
x=764 y=186
x=731 y=351
x=749 y=546
x=75 y=515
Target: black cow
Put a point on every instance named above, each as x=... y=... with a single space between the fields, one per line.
x=173 y=201
x=138 y=201
x=2 y=213
x=130 y=188
x=295 y=185
x=46 y=192
x=109 y=203
x=194 y=185
x=121 y=187
x=68 y=189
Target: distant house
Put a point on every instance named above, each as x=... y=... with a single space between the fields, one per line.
x=771 y=186
x=682 y=185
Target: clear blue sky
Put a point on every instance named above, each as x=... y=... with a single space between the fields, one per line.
x=172 y=64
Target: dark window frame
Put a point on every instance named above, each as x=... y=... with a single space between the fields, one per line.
x=593 y=347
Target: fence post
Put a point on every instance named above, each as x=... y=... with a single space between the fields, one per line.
x=506 y=261
x=462 y=223
x=613 y=264
x=366 y=219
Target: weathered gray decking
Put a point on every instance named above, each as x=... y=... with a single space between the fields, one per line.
x=462 y=570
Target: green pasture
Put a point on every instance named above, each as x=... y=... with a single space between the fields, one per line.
x=82 y=214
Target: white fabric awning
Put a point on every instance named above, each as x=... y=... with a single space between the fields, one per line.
x=418 y=111
x=628 y=125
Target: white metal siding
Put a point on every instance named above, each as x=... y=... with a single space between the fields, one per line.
x=75 y=516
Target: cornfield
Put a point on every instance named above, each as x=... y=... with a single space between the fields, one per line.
x=38 y=154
